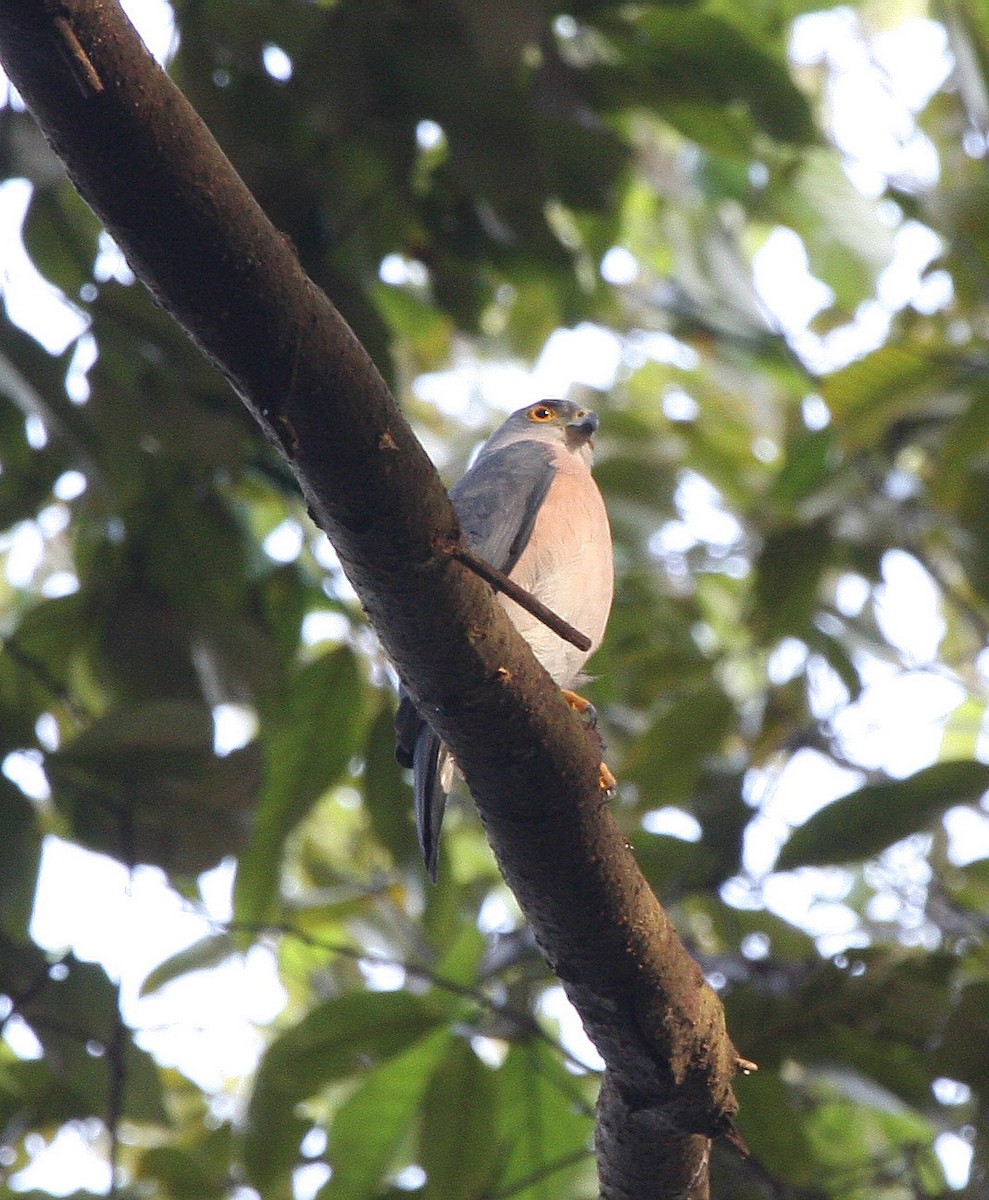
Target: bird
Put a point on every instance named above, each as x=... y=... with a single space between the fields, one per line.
x=530 y=507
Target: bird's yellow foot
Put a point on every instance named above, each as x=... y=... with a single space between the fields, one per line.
x=577 y=702
x=580 y=704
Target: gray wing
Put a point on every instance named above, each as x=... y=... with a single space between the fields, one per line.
x=497 y=502
x=499 y=498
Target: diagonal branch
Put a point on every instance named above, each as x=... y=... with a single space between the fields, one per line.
x=145 y=162
x=503 y=583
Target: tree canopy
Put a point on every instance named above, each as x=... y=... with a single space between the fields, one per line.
x=466 y=181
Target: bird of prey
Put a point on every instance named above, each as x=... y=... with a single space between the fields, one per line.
x=530 y=507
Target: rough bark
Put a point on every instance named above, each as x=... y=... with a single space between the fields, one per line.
x=145 y=162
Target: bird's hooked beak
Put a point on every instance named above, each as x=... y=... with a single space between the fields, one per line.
x=583 y=427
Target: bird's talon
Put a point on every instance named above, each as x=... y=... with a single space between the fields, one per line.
x=583 y=706
x=606 y=779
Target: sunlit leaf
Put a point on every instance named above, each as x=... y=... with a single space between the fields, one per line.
x=208 y=952
x=60 y=235
x=458 y=1111
x=544 y=1126
x=308 y=744
x=338 y=1038
x=848 y=237
x=874 y=816
x=371 y=1124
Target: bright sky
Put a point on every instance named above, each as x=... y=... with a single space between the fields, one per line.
x=207 y=1024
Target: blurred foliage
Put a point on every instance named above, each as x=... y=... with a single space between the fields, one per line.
x=800 y=501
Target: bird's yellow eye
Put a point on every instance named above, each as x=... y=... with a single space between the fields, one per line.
x=542 y=412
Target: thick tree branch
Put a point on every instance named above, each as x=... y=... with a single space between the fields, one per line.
x=148 y=166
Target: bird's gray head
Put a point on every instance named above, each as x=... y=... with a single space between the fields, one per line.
x=558 y=422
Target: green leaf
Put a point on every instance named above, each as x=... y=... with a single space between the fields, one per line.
x=852 y=1121
x=868 y=396
x=463 y=956
x=838 y=658
x=38 y=663
x=143 y=783
x=33 y=1095
x=964 y=447
x=848 y=239
x=891 y=1061
x=672 y=865
x=208 y=952
x=544 y=1126
x=427 y=332
x=20 y=855
x=963 y=730
x=185 y=1174
x=309 y=741
x=196 y=550
x=788 y=579
x=872 y=818
x=973 y=527
x=968 y=886
x=387 y=796
x=669 y=56
x=75 y=1016
x=963 y=1049
x=728 y=134
x=34 y=382
x=808 y=465
x=60 y=236
x=772 y=1122
x=336 y=1039
x=667 y=760
x=369 y=1127
x=458 y=1112
x=173 y=733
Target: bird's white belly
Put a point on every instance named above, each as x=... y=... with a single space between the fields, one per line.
x=568 y=566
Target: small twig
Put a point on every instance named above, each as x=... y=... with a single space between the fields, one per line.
x=39 y=670
x=526 y=1024
x=77 y=60
x=501 y=583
